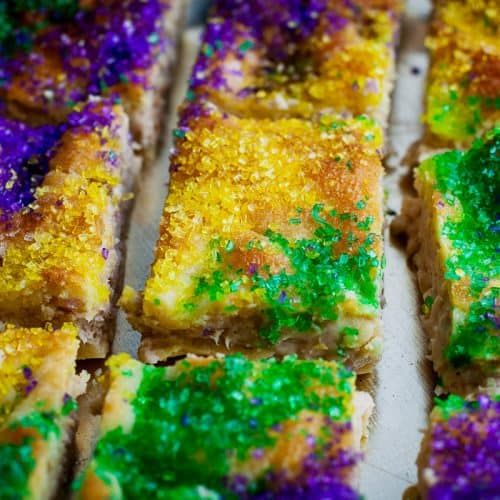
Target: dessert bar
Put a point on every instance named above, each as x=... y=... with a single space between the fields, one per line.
x=271 y=241
x=57 y=54
x=453 y=234
x=63 y=190
x=38 y=387
x=287 y=58
x=228 y=427
x=460 y=453
x=463 y=94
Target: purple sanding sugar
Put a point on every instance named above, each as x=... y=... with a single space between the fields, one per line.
x=465 y=453
x=219 y=38
x=324 y=475
x=93 y=116
x=321 y=479
x=30 y=386
x=252 y=268
x=282 y=23
x=25 y=153
x=279 y=33
x=236 y=25
x=331 y=490
x=99 y=48
x=24 y=157
x=278 y=28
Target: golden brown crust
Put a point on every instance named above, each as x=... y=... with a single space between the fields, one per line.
x=283 y=167
x=28 y=95
x=60 y=256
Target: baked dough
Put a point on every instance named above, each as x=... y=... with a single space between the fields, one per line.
x=38 y=391
x=123 y=49
x=227 y=426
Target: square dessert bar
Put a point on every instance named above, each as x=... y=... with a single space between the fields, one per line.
x=286 y=58
x=460 y=454
x=62 y=197
x=228 y=428
x=270 y=242
x=453 y=230
x=56 y=54
x=38 y=387
x=463 y=95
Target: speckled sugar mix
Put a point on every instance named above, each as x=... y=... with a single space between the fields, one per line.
x=464 y=452
x=235 y=428
x=26 y=151
x=282 y=219
x=75 y=52
x=467 y=186
x=297 y=58
x=463 y=97
x=62 y=269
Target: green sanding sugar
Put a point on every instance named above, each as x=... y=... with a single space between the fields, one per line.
x=318 y=281
x=475 y=337
x=16 y=465
x=45 y=423
x=470 y=181
x=454 y=404
x=450 y=406
x=196 y=424
x=456 y=115
x=17 y=461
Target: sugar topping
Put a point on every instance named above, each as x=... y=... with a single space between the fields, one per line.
x=76 y=51
x=227 y=425
x=295 y=58
x=468 y=184
x=463 y=98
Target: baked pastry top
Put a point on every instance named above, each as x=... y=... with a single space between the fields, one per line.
x=461 y=449
x=60 y=195
x=299 y=59
x=227 y=427
x=459 y=192
x=38 y=387
x=270 y=241
x=463 y=95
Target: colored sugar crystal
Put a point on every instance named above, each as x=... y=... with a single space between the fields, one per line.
x=456 y=232
x=270 y=242
x=227 y=427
